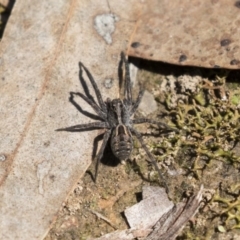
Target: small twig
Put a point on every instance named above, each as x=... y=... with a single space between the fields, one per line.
x=99 y=215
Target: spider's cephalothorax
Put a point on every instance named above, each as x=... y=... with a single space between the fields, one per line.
x=116 y=118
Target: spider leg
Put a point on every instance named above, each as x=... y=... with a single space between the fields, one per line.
x=95 y=107
x=153 y=161
x=100 y=153
x=147 y=120
x=79 y=108
x=127 y=87
x=85 y=127
x=136 y=104
x=98 y=94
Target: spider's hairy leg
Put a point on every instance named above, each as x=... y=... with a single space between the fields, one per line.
x=147 y=120
x=98 y=94
x=106 y=136
x=79 y=108
x=153 y=161
x=100 y=112
x=85 y=127
x=136 y=104
x=127 y=86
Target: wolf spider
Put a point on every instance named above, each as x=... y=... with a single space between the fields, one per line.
x=116 y=119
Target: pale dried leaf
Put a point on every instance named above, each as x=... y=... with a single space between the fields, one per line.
x=39 y=55
x=146 y=213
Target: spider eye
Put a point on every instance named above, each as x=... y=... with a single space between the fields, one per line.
x=116 y=104
x=114 y=107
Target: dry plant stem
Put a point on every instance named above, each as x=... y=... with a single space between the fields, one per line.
x=99 y=215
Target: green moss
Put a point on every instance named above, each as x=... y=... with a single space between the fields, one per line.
x=208 y=123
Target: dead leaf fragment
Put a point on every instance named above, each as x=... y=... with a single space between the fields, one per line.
x=146 y=213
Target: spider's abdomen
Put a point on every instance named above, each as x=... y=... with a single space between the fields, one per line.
x=121 y=142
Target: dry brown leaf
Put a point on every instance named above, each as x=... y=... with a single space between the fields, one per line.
x=198 y=33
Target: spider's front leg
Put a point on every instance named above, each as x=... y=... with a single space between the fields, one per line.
x=81 y=110
x=127 y=85
x=150 y=156
x=136 y=104
x=98 y=94
x=100 y=112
